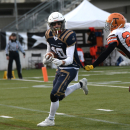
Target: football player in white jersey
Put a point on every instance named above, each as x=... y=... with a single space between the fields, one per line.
x=119 y=38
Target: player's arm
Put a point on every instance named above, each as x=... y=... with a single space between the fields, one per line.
x=47 y=60
x=48 y=48
x=68 y=60
x=105 y=54
x=70 y=55
x=102 y=57
x=21 y=48
x=7 y=51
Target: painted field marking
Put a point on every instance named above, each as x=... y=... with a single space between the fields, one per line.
x=34 y=77
x=29 y=80
x=92 y=71
x=110 y=82
x=62 y=114
x=104 y=110
x=107 y=72
x=38 y=77
x=42 y=86
x=6 y=116
x=108 y=85
x=15 y=88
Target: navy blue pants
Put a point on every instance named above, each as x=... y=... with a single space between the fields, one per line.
x=14 y=55
x=62 y=79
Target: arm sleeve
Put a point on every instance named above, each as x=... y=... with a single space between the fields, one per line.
x=48 y=48
x=70 y=55
x=20 y=48
x=105 y=54
x=7 y=49
x=71 y=41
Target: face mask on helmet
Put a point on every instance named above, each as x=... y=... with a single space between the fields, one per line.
x=57 y=30
x=114 y=21
x=56 y=18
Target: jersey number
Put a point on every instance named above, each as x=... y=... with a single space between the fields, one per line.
x=126 y=36
x=59 y=51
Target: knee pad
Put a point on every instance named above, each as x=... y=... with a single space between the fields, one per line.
x=61 y=97
x=53 y=98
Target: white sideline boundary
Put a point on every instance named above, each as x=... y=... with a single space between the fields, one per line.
x=63 y=114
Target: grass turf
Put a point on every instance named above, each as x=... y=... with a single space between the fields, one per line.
x=28 y=101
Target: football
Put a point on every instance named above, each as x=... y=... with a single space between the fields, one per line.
x=51 y=54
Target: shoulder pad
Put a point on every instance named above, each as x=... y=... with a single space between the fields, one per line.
x=47 y=34
x=71 y=40
x=69 y=37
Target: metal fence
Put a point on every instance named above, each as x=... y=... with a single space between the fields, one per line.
x=36 y=18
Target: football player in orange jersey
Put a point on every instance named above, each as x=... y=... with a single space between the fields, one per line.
x=119 y=38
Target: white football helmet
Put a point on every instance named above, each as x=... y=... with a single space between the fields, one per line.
x=56 y=17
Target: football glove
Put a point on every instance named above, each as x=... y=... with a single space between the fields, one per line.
x=57 y=62
x=88 y=67
x=47 y=60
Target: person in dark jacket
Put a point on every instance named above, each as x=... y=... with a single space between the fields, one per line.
x=12 y=53
x=91 y=37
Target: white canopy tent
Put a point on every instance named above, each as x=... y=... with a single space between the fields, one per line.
x=86 y=15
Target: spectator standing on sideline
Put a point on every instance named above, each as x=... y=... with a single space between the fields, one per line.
x=81 y=55
x=91 y=37
x=12 y=53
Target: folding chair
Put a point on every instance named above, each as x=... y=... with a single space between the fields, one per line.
x=34 y=59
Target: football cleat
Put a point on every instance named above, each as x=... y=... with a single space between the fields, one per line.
x=47 y=122
x=84 y=86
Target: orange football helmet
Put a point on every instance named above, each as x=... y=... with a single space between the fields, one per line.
x=114 y=21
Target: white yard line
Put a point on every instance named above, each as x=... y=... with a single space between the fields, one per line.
x=28 y=80
x=6 y=116
x=104 y=110
x=63 y=114
x=108 y=85
x=105 y=84
x=42 y=86
x=15 y=88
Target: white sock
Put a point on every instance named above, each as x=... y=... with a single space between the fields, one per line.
x=72 y=88
x=53 y=108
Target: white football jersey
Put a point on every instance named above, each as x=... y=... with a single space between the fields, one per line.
x=122 y=37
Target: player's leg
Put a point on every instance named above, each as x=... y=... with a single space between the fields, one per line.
x=62 y=79
x=82 y=84
x=58 y=91
x=53 y=107
x=17 y=60
x=10 y=65
x=72 y=88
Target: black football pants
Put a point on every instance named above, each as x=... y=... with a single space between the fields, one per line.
x=14 y=55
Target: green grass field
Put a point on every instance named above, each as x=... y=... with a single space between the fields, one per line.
x=27 y=101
